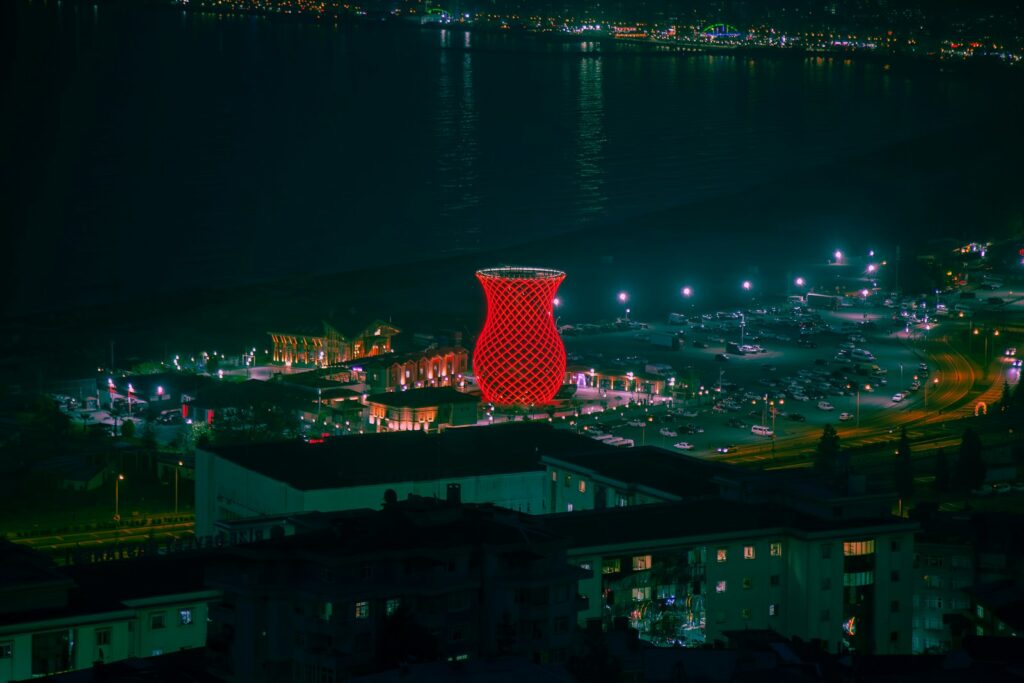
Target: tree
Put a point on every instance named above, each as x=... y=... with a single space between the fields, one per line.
x=128 y=429
x=826 y=457
x=1007 y=398
x=942 y=483
x=903 y=469
x=970 y=467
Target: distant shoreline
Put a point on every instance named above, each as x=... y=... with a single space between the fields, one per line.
x=903 y=61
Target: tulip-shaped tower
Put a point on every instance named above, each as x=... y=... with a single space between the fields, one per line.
x=519 y=358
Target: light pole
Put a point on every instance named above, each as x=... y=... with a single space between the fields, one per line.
x=176 y=470
x=935 y=380
x=117 y=498
x=130 y=389
x=623 y=298
x=868 y=387
x=743 y=328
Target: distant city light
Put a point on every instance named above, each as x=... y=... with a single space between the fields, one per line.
x=747 y=285
x=557 y=302
x=800 y=282
x=687 y=291
x=864 y=293
x=871 y=253
x=838 y=255
x=872 y=267
x=623 y=297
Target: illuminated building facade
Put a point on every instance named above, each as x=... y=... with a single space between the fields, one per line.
x=437 y=367
x=422 y=409
x=519 y=358
x=330 y=344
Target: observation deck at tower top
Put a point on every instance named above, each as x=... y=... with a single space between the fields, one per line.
x=520 y=273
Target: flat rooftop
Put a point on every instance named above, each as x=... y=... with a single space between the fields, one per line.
x=368 y=459
x=697 y=519
x=654 y=468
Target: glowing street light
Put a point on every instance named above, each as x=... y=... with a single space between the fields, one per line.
x=864 y=293
x=176 y=470
x=623 y=297
x=800 y=282
x=747 y=285
x=838 y=255
x=872 y=267
x=117 y=497
x=687 y=291
x=557 y=302
x=871 y=253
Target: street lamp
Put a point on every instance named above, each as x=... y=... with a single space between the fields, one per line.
x=130 y=390
x=687 y=292
x=935 y=380
x=117 y=498
x=800 y=282
x=866 y=387
x=747 y=285
x=838 y=255
x=176 y=470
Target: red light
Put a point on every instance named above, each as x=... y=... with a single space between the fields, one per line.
x=519 y=358
x=315 y=441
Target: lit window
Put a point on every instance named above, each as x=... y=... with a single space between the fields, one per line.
x=184 y=617
x=641 y=563
x=721 y=555
x=554 y=476
x=6 y=650
x=980 y=611
x=568 y=507
x=392 y=605
x=641 y=593
x=720 y=587
x=156 y=621
x=748 y=552
x=612 y=566
x=776 y=549
x=586 y=566
x=748 y=582
x=362 y=610
x=583 y=486
x=853 y=548
x=773 y=610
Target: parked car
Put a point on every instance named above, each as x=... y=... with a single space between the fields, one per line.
x=636 y=423
x=898 y=396
x=843 y=417
x=697 y=344
x=724 y=449
x=797 y=417
x=737 y=423
x=825 y=405
x=684 y=446
x=666 y=431
x=721 y=357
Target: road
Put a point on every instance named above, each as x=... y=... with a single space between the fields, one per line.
x=125 y=535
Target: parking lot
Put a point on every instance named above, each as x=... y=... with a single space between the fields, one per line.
x=807 y=380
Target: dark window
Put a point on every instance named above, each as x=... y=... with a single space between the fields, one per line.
x=775 y=580
x=894 y=606
x=894 y=636
x=103 y=636
x=894 y=575
x=156 y=621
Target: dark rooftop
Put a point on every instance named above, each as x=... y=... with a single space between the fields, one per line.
x=97 y=587
x=422 y=398
x=367 y=459
x=654 y=468
x=697 y=518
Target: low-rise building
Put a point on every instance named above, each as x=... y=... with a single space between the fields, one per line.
x=421 y=579
x=497 y=464
x=65 y=619
x=331 y=343
x=444 y=366
x=688 y=572
x=422 y=409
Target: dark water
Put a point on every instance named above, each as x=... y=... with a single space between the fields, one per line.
x=154 y=151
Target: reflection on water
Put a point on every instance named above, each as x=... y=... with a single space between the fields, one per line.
x=457 y=145
x=590 y=141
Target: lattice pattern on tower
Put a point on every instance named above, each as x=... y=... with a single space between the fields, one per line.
x=519 y=358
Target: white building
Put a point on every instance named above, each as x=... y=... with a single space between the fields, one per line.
x=54 y=620
x=497 y=464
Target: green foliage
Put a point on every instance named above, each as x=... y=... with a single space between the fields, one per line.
x=903 y=469
x=147 y=368
x=970 y=467
x=128 y=429
x=826 y=457
x=1007 y=398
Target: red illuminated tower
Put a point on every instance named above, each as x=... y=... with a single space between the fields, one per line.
x=519 y=358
